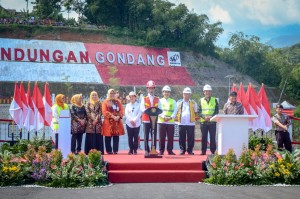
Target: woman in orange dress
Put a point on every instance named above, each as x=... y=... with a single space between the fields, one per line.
x=113 y=112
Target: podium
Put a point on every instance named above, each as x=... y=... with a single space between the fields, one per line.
x=64 y=132
x=232 y=132
x=153 y=113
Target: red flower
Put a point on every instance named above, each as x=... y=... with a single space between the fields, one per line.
x=225 y=168
x=250 y=172
x=236 y=167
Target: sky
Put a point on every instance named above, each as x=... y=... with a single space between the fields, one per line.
x=264 y=18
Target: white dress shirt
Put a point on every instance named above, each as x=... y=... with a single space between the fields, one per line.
x=185 y=114
x=133 y=112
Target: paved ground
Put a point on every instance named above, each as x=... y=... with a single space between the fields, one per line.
x=154 y=190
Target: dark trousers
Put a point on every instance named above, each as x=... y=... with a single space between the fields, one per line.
x=147 y=131
x=115 y=144
x=166 y=130
x=186 y=132
x=133 y=135
x=56 y=141
x=93 y=141
x=283 y=138
x=76 y=138
x=211 y=128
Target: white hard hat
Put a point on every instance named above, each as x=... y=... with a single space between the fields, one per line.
x=207 y=88
x=187 y=90
x=166 y=88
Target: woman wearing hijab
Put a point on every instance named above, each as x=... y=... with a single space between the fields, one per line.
x=78 y=122
x=133 y=115
x=93 y=139
x=56 y=109
x=113 y=112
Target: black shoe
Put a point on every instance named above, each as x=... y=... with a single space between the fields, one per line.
x=171 y=153
x=129 y=153
x=203 y=154
x=161 y=153
x=115 y=152
x=109 y=153
x=135 y=152
x=182 y=153
x=190 y=153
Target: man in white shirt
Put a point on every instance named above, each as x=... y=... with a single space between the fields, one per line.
x=186 y=114
x=149 y=101
x=133 y=122
x=166 y=121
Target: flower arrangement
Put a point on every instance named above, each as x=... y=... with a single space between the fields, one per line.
x=255 y=167
x=39 y=166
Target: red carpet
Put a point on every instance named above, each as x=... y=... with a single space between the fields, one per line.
x=123 y=168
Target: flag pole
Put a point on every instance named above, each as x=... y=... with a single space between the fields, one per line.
x=12 y=133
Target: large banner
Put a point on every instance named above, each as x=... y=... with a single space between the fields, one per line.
x=58 y=61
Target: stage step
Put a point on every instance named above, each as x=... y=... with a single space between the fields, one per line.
x=155 y=166
x=146 y=176
x=123 y=168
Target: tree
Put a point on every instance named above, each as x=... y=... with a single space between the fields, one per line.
x=68 y=4
x=46 y=8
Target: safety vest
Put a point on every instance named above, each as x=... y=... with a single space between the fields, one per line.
x=145 y=117
x=168 y=109
x=208 y=109
x=59 y=108
x=192 y=111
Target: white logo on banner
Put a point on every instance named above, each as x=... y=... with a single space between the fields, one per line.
x=174 y=58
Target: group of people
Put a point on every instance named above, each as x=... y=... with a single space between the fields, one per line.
x=102 y=122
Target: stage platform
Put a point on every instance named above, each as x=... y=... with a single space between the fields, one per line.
x=124 y=168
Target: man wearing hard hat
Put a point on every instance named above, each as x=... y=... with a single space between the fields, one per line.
x=149 y=101
x=208 y=108
x=186 y=114
x=166 y=121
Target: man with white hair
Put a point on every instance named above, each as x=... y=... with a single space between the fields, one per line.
x=208 y=108
x=186 y=116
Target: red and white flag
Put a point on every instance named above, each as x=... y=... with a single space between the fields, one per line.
x=233 y=88
x=39 y=110
x=29 y=120
x=47 y=104
x=241 y=97
x=255 y=109
x=24 y=103
x=16 y=108
x=265 y=107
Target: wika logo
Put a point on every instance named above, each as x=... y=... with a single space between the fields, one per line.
x=174 y=58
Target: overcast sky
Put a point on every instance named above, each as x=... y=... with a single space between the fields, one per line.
x=249 y=16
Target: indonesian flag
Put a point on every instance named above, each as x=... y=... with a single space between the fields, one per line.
x=29 y=120
x=233 y=88
x=16 y=108
x=265 y=107
x=241 y=97
x=39 y=110
x=255 y=109
x=47 y=104
x=24 y=103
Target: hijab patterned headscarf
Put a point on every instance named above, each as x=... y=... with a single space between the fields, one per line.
x=75 y=100
x=59 y=100
x=91 y=98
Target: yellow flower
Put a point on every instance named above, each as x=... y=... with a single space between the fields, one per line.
x=286 y=172
x=279 y=160
x=277 y=174
x=288 y=165
x=271 y=166
x=4 y=169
